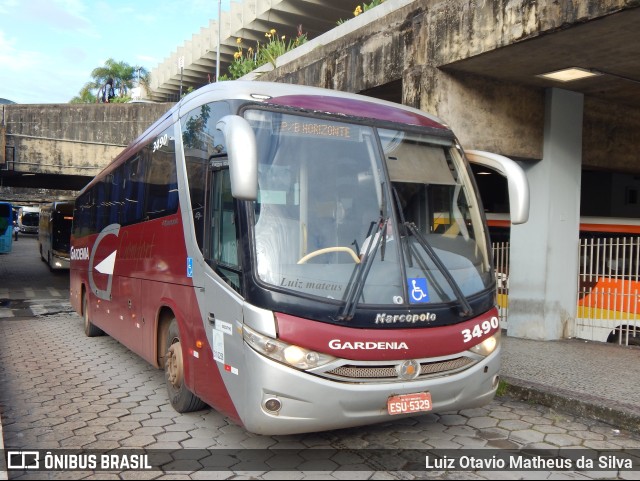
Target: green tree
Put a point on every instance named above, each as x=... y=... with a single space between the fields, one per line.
x=195 y=126
x=86 y=95
x=125 y=77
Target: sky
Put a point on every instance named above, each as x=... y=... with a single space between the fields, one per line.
x=48 y=48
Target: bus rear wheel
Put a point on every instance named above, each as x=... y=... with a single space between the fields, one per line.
x=89 y=329
x=182 y=400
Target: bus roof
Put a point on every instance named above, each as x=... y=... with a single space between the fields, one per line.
x=311 y=98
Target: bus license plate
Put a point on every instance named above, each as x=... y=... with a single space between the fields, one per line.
x=409 y=403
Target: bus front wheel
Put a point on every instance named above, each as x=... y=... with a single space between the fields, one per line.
x=181 y=398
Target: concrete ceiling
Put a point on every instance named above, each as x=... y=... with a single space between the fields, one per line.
x=609 y=45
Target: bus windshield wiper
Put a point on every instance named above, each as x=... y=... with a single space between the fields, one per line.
x=361 y=271
x=464 y=306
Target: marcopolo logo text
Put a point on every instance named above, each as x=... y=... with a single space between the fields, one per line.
x=81 y=254
x=384 y=318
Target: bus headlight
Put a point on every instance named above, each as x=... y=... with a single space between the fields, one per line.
x=294 y=356
x=487 y=346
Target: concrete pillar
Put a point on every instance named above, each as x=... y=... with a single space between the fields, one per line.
x=544 y=252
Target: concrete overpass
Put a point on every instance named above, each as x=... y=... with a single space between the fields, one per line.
x=51 y=151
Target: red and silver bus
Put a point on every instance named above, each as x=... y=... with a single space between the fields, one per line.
x=297 y=258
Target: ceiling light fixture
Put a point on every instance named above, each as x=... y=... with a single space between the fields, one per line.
x=570 y=74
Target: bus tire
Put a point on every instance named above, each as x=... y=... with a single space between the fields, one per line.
x=181 y=399
x=89 y=329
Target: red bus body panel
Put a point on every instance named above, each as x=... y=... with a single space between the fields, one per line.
x=382 y=344
x=150 y=273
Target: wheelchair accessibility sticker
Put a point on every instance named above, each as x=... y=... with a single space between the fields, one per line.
x=189 y=266
x=418 y=291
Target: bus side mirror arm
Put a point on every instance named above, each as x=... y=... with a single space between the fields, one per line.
x=243 y=156
x=516 y=180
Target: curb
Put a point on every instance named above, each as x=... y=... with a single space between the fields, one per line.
x=619 y=415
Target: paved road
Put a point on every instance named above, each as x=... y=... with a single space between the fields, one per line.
x=61 y=390
x=27 y=286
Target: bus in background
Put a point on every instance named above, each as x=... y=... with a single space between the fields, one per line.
x=54 y=233
x=608 y=281
x=28 y=220
x=6 y=227
x=281 y=252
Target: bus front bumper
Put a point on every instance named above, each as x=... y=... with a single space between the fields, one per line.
x=311 y=403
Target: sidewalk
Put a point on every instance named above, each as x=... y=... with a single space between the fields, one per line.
x=592 y=379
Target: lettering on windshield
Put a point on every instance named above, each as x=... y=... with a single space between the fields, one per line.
x=314 y=128
x=317 y=285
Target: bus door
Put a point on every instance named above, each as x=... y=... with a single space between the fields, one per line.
x=222 y=304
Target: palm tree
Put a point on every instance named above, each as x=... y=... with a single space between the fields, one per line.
x=86 y=95
x=124 y=76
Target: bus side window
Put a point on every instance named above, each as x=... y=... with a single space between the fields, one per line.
x=223 y=233
x=201 y=140
x=100 y=205
x=116 y=196
x=160 y=179
x=82 y=216
x=133 y=185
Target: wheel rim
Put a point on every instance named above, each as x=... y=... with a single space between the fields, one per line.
x=174 y=365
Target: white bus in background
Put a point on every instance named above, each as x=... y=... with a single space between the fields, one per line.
x=29 y=219
x=54 y=236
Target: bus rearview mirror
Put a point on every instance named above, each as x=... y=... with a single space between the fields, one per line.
x=243 y=156
x=516 y=180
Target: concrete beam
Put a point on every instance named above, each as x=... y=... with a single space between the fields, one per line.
x=70 y=139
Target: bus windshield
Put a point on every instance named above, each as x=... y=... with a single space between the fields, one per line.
x=364 y=215
x=30 y=219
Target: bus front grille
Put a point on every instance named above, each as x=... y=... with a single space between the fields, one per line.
x=389 y=372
